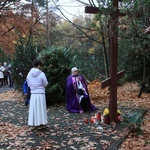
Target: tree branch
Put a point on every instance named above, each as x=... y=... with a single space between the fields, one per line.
x=9 y=29
x=77 y=26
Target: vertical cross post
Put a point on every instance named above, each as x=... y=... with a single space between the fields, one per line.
x=114 y=76
x=113 y=63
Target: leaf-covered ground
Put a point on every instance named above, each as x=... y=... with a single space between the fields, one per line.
x=127 y=97
x=69 y=131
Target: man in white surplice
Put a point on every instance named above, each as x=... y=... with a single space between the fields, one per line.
x=77 y=96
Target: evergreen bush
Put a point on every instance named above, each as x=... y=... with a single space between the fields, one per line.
x=134 y=58
x=24 y=55
x=3 y=56
x=57 y=66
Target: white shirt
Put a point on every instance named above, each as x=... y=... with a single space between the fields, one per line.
x=80 y=86
x=37 y=81
x=1 y=72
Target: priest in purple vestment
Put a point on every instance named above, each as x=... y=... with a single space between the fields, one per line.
x=77 y=95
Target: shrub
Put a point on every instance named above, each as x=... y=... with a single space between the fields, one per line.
x=57 y=68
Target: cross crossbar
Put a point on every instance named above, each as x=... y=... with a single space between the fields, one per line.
x=91 y=10
x=95 y=10
x=107 y=81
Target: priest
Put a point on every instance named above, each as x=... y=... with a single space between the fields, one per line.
x=77 y=95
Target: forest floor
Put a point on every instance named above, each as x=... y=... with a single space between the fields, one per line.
x=67 y=131
x=127 y=98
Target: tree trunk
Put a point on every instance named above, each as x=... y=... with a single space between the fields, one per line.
x=144 y=77
x=31 y=28
x=47 y=20
x=104 y=51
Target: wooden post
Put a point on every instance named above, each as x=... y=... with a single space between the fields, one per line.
x=113 y=64
x=112 y=81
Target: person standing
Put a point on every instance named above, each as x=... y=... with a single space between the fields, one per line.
x=2 y=69
x=26 y=92
x=77 y=95
x=6 y=73
x=9 y=75
x=37 y=81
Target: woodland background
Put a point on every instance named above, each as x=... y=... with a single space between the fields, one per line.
x=32 y=30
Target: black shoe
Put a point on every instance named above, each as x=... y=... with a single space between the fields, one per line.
x=26 y=104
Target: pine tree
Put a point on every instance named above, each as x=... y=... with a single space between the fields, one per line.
x=3 y=56
x=24 y=55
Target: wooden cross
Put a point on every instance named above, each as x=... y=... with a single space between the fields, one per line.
x=114 y=76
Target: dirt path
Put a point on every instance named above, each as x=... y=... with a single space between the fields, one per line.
x=66 y=130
